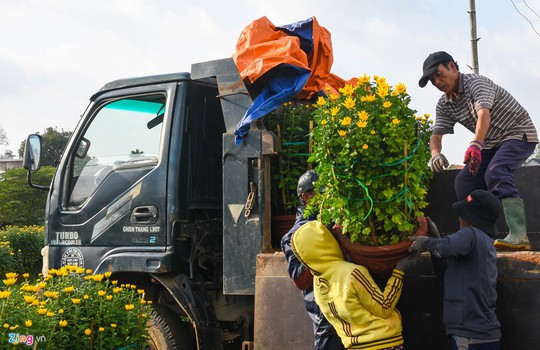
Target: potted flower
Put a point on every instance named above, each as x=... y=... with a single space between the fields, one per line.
x=371 y=152
x=291 y=124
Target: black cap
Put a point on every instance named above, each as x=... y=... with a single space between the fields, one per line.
x=305 y=182
x=432 y=63
x=481 y=209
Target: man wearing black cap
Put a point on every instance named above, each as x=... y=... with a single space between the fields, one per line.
x=504 y=137
x=469 y=273
x=325 y=336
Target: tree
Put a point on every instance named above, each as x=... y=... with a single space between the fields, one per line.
x=3 y=137
x=53 y=144
x=21 y=204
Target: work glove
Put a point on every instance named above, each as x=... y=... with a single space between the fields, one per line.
x=433 y=231
x=473 y=156
x=408 y=261
x=418 y=244
x=437 y=163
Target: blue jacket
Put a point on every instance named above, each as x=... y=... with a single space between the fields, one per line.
x=470 y=281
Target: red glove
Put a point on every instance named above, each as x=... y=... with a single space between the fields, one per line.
x=473 y=156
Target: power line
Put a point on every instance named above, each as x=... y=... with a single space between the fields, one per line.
x=531 y=9
x=522 y=15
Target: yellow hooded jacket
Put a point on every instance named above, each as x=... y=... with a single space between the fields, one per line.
x=363 y=316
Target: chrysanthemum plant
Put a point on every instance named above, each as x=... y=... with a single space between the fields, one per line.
x=371 y=152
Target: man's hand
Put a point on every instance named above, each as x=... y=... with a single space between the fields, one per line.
x=437 y=163
x=473 y=156
x=418 y=244
x=407 y=261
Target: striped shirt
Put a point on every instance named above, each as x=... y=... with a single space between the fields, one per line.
x=509 y=120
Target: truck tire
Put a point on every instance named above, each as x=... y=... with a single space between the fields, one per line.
x=167 y=331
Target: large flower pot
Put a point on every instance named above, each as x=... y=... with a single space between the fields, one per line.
x=379 y=260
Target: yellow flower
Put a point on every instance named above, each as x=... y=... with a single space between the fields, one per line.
x=324 y=122
x=334 y=111
x=6 y=325
x=29 y=298
x=108 y=274
x=80 y=270
x=76 y=301
x=129 y=307
x=321 y=101
x=113 y=325
x=85 y=296
x=347 y=90
x=98 y=278
x=365 y=146
x=12 y=275
x=51 y=295
x=26 y=275
x=62 y=323
x=333 y=96
x=61 y=311
x=346 y=121
x=117 y=290
x=88 y=271
x=87 y=331
x=370 y=98
x=108 y=297
x=42 y=285
x=342 y=133
x=28 y=323
x=382 y=91
x=349 y=102
x=361 y=124
x=115 y=282
x=5 y=294
x=69 y=289
x=364 y=79
x=400 y=88
x=101 y=293
x=142 y=301
x=363 y=115
x=395 y=121
x=387 y=104
x=101 y=329
x=10 y=281
x=42 y=311
x=50 y=313
x=427 y=115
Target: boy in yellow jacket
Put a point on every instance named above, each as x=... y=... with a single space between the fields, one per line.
x=364 y=316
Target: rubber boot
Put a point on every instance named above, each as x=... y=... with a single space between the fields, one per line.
x=514 y=213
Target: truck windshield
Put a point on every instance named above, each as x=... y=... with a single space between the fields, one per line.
x=123 y=136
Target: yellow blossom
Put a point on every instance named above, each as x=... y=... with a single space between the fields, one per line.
x=76 y=301
x=361 y=124
x=324 y=122
x=113 y=325
x=107 y=274
x=5 y=294
x=12 y=275
x=365 y=146
x=61 y=311
x=395 y=121
x=87 y=331
x=42 y=311
x=88 y=271
x=382 y=91
x=400 y=88
x=142 y=301
x=62 y=323
x=69 y=289
x=108 y=297
x=80 y=270
x=101 y=293
x=373 y=132
x=129 y=307
x=50 y=313
x=101 y=329
x=427 y=115
x=51 y=295
x=98 y=277
x=363 y=115
x=349 y=102
x=28 y=323
x=10 y=281
x=321 y=101
x=115 y=282
x=333 y=96
x=140 y=291
x=364 y=79
x=368 y=98
x=334 y=111
x=6 y=325
x=342 y=133
x=347 y=90
x=387 y=104
x=42 y=285
x=346 y=121
x=29 y=298
x=85 y=296
x=26 y=275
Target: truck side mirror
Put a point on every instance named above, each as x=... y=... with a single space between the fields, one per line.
x=32 y=153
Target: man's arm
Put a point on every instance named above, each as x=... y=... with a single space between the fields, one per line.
x=435 y=144
x=482 y=125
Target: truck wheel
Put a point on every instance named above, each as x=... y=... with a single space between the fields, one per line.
x=167 y=331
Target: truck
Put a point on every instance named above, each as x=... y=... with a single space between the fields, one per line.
x=153 y=188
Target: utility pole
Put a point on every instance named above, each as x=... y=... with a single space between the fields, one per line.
x=474 y=39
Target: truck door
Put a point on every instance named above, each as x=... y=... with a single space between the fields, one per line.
x=113 y=182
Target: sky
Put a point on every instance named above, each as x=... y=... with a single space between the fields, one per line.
x=55 y=54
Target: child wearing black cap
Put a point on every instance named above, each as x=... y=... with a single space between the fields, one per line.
x=470 y=273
